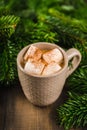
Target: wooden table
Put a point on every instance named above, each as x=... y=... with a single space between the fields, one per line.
x=17 y=113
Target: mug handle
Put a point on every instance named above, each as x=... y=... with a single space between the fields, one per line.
x=75 y=57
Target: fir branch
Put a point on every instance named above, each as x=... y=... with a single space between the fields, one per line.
x=8 y=71
x=67 y=19
x=42 y=32
x=65 y=31
x=66 y=28
x=36 y=32
x=77 y=82
x=73 y=113
x=83 y=50
x=7 y=25
x=8 y=51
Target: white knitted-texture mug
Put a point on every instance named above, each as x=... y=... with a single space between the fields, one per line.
x=44 y=90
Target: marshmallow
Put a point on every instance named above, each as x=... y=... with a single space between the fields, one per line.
x=51 y=68
x=42 y=62
x=54 y=55
x=34 y=67
x=33 y=52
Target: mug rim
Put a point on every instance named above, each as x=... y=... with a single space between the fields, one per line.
x=23 y=50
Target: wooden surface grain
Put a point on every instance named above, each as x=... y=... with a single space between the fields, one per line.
x=17 y=113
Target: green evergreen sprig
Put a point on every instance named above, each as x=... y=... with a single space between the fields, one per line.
x=78 y=81
x=74 y=112
x=67 y=28
x=42 y=32
x=7 y=25
x=83 y=50
x=8 y=71
x=8 y=51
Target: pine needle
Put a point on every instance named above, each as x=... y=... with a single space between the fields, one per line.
x=8 y=24
x=74 y=112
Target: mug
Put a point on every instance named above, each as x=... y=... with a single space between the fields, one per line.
x=44 y=90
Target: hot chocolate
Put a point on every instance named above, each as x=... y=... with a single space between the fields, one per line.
x=42 y=62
